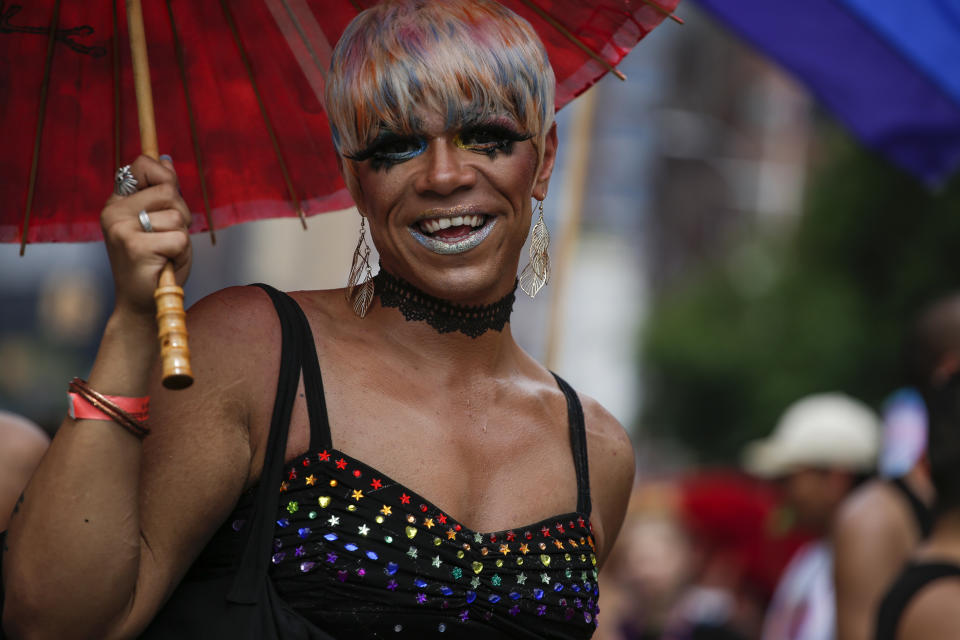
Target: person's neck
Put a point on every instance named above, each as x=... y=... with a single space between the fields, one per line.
x=918 y=480
x=442 y=340
x=944 y=542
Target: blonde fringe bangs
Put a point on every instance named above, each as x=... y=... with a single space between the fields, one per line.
x=460 y=58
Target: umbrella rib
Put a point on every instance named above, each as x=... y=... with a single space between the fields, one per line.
x=116 y=87
x=572 y=38
x=303 y=37
x=665 y=12
x=263 y=111
x=191 y=118
x=44 y=87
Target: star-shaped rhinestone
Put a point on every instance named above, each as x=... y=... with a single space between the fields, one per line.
x=442 y=519
x=451 y=534
x=504 y=549
x=412 y=552
x=324 y=457
x=376 y=483
x=363 y=529
x=477 y=538
x=334 y=521
x=558 y=544
x=545 y=578
x=284 y=486
x=475 y=582
x=437 y=561
x=521 y=578
x=311 y=480
x=405 y=499
x=341 y=464
x=387 y=510
x=524 y=548
x=428 y=523
x=357 y=494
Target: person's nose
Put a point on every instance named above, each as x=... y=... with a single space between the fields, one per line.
x=447 y=169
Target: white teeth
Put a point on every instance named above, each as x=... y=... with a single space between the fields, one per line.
x=433 y=225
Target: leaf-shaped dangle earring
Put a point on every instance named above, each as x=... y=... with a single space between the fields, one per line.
x=537 y=272
x=360 y=295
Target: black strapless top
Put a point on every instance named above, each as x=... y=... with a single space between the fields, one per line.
x=360 y=555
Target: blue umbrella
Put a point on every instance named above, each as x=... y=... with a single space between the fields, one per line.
x=888 y=69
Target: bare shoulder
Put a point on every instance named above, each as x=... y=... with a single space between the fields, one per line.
x=933 y=613
x=21 y=436
x=244 y=309
x=871 y=506
x=612 y=466
x=876 y=516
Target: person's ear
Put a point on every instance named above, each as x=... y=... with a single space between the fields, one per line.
x=546 y=165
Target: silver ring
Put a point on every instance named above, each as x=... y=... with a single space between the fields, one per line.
x=145 y=221
x=124 y=184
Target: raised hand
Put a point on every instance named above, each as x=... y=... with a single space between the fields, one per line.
x=137 y=255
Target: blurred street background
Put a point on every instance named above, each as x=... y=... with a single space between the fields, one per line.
x=722 y=246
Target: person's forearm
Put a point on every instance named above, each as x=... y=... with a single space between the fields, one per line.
x=73 y=548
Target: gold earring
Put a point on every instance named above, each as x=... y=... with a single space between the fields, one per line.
x=537 y=272
x=360 y=295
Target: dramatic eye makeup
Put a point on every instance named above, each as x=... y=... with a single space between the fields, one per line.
x=390 y=148
x=489 y=138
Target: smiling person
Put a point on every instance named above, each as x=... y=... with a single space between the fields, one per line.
x=433 y=478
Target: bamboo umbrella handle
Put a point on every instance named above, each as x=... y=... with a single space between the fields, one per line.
x=171 y=318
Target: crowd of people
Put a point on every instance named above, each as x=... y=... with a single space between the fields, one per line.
x=841 y=525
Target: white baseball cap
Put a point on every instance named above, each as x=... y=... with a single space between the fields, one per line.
x=824 y=430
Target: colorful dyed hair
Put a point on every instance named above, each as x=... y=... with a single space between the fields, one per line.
x=457 y=57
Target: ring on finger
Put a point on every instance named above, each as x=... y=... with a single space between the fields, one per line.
x=124 y=184
x=145 y=221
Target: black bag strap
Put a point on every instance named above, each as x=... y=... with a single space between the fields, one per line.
x=921 y=512
x=255 y=557
x=320 y=437
x=913 y=578
x=578 y=444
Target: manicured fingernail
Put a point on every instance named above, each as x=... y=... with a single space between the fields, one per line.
x=167 y=158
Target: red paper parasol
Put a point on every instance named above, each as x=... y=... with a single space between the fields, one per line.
x=238 y=89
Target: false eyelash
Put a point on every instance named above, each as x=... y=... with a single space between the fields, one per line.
x=501 y=138
x=383 y=141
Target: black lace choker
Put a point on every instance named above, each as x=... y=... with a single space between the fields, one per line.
x=443 y=316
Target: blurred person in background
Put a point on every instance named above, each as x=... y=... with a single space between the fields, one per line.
x=22 y=444
x=886 y=519
x=648 y=567
x=922 y=603
x=734 y=559
x=821 y=448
